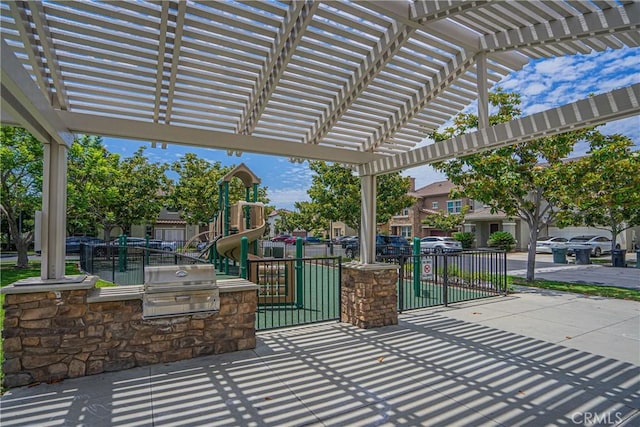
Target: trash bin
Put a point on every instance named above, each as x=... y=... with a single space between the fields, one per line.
x=638 y=258
x=277 y=251
x=559 y=255
x=583 y=255
x=618 y=258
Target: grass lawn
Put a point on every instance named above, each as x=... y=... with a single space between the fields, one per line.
x=580 y=288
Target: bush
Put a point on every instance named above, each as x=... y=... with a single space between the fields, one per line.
x=465 y=238
x=502 y=240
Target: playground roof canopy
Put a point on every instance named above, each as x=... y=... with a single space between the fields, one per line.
x=352 y=82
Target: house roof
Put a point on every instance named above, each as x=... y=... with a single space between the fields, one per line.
x=361 y=83
x=484 y=214
x=434 y=189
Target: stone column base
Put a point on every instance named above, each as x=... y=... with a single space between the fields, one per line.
x=369 y=295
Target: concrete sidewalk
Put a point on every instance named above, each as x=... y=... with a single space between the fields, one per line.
x=538 y=358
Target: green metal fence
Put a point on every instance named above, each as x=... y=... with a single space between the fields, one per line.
x=125 y=265
x=296 y=291
x=427 y=280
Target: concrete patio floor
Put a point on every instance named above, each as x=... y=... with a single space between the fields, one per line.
x=532 y=358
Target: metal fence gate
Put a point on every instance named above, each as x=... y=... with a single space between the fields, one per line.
x=429 y=280
x=296 y=291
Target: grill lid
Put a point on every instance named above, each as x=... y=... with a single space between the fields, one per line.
x=175 y=290
x=169 y=278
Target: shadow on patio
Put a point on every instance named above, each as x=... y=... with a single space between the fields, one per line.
x=430 y=369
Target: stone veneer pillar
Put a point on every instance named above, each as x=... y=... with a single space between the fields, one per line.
x=369 y=295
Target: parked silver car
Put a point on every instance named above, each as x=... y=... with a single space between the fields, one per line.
x=545 y=244
x=439 y=244
x=599 y=244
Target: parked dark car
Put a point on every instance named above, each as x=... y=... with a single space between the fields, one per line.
x=72 y=244
x=153 y=243
x=385 y=246
x=281 y=238
x=309 y=240
x=312 y=240
x=348 y=240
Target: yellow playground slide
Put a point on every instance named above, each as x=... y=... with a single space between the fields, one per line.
x=229 y=246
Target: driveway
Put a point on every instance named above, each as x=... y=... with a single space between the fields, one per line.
x=595 y=274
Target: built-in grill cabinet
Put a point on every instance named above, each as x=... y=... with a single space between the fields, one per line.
x=175 y=290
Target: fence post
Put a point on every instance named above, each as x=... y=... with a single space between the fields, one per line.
x=504 y=273
x=113 y=262
x=445 y=279
x=417 y=267
x=146 y=253
x=401 y=263
x=299 y=274
x=122 y=254
x=244 y=250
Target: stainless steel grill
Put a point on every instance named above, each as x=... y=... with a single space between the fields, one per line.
x=175 y=290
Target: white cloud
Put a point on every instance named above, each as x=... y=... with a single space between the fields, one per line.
x=424 y=175
x=285 y=198
x=534 y=89
x=535 y=108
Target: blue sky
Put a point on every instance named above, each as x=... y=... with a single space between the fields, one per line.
x=543 y=84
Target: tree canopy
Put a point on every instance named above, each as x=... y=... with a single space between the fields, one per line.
x=606 y=190
x=142 y=189
x=445 y=221
x=92 y=191
x=105 y=190
x=520 y=180
x=21 y=184
x=195 y=194
x=335 y=194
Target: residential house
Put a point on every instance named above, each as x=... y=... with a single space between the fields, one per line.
x=169 y=227
x=430 y=199
x=339 y=228
x=272 y=218
x=480 y=221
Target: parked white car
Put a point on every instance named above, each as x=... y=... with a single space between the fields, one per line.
x=599 y=244
x=439 y=244
x=545 y=244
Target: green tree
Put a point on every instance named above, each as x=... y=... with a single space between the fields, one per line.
x=195 y=194
x=511 y=179
x=335 y=194
x=306 y=218
x=92 y=190
x=21 y=158
x=606 y=190
x=141 y=187
x=283 y=224
x=445 y=221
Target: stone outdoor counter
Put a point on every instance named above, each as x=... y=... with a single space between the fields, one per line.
x=54 y=331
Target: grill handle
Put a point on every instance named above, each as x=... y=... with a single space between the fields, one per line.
x=183 y=298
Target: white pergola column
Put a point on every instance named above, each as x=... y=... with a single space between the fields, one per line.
x=54 y=211
x=483 y=91
x=368 y=219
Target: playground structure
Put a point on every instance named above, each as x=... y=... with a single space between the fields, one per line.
x=233 y=236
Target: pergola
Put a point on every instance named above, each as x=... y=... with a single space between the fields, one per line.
x=360 y=83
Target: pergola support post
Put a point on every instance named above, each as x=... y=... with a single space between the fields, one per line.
x=54 y=211
x=483 y=91
x=368 y=219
